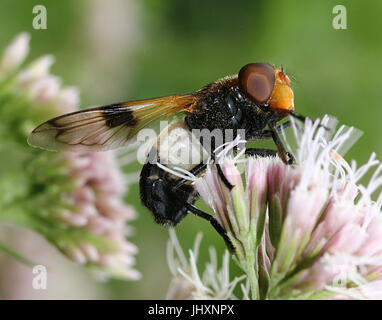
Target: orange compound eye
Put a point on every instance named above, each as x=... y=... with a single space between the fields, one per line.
x=257 y=80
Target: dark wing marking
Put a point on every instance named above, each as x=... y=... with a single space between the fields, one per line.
x=108 y=127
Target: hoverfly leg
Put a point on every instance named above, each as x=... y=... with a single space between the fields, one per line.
x=291 y=158
x=221 y=173
x=285 y=156
x=223 y=177
x=195 y=171
x=260 y=152
x=298 y=116
x=303 y=118
x=201 y=167
x=268 y=133
x=213 y=222
x=267 y=153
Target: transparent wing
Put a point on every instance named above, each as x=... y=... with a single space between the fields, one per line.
x=107 y=127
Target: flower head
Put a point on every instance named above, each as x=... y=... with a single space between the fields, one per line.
x=304 y=230
x=75 y=200
x=15 y=54
x=97 y=206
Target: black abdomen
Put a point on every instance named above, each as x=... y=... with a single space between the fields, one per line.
x=167 y=205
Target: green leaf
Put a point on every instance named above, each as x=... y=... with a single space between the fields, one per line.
x=13 y=253
x=275 y=220
x=261 y=224
x=263 y=282
x=241 y=209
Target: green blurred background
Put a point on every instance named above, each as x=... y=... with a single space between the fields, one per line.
x=123 y=50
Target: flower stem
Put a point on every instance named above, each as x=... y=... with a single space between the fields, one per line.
x=250 y=266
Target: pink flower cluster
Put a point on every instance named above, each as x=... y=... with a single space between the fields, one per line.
x=98 y=207
x=313 y=226
x=322 y=239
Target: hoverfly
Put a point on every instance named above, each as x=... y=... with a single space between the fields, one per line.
x=255 y=101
